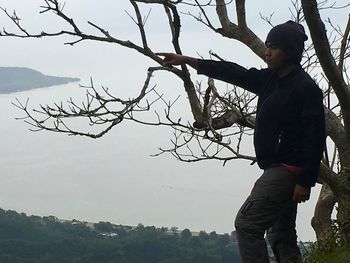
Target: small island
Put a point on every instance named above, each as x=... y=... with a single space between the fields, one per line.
x=15 y=79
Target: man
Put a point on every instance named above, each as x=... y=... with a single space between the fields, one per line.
x=289 y=138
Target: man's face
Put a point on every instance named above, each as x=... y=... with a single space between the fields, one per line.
x=275 y=57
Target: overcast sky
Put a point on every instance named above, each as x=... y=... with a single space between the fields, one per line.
x=52 y=159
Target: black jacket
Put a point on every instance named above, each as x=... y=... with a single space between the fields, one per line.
x=290 y=123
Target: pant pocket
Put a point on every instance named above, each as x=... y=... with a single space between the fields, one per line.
x=257 y=215
x=276 y=184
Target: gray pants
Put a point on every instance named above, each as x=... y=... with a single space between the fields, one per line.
x=269 y=207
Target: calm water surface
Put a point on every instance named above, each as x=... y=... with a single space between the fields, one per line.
x=115 y=179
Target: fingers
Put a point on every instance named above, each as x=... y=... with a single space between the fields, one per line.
x=177 y=59
x=163 y=54
x=301 y=194
x=300 y=198
x=169 y=58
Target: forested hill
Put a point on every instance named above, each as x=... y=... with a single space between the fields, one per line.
x=14 y=79
x=47 y=239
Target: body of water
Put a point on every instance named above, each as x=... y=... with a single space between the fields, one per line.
x=115 y=179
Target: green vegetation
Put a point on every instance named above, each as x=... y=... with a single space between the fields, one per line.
x=46 y=239
x=338 y=254
x=34 y=239
x=334 y=248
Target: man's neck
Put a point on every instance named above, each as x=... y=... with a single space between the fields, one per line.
x=285 y=70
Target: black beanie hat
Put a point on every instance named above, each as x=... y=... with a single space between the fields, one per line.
x=290 y=38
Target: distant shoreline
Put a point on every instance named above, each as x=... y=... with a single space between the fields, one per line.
x=18 y=79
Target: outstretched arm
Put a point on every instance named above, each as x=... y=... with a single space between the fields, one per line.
x=248 y=79
x=175 y=59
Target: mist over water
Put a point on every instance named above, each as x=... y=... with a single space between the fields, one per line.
x=114 y=178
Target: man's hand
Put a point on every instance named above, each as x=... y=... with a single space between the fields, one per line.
x=301 y=193
x=176 y=59
x=172 y=59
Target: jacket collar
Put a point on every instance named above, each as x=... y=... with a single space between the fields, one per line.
x=290 y=75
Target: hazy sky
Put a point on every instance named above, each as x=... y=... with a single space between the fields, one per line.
x=114 y=178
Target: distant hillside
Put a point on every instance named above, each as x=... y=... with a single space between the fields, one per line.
x=14 y=79
x=34 y=239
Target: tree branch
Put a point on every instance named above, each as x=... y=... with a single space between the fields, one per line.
x=240 y=32
x=323 y=51
x=335 y=130
x=99 y=109
x=175 y=24
x=328 y=176
x=343 y=46
x=241 y=18
x=140 y=24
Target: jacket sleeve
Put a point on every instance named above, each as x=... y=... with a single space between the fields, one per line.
x=249 y=79
x=313 y=135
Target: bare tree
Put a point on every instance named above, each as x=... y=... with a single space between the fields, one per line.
x=219 y=117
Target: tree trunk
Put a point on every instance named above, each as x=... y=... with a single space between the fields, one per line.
x=321 y=221
x=343 y=218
